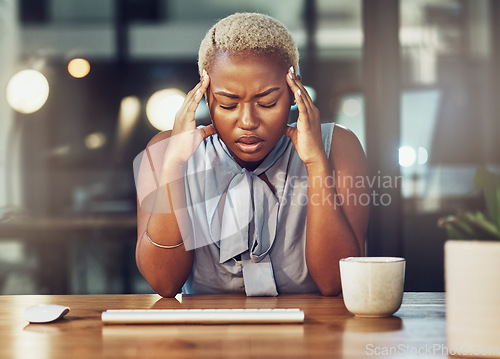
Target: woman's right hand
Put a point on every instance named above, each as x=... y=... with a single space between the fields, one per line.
x=167 y=153
x=185 y=137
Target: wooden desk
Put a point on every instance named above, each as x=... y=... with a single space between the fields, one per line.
x=416 y=331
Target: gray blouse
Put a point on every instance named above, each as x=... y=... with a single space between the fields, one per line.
x=247 y=237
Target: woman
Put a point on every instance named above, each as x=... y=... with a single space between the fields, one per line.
x=248 y=203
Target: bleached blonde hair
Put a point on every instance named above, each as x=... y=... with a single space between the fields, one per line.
x=257 y=33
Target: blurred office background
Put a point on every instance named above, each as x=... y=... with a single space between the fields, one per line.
x=416 y=80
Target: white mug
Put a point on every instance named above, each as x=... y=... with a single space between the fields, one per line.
x=372 y=286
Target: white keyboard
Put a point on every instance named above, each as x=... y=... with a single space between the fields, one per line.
x=202 y=316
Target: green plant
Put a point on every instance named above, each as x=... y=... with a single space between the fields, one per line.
x=476 y=224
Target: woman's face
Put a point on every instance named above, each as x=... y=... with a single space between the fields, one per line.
x=249 y=103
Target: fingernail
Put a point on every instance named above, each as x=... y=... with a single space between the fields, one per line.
x=204 y=74
x=292 y=70
x=298 y=92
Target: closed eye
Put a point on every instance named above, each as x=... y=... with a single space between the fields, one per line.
x=228 y=107
x=269 y=106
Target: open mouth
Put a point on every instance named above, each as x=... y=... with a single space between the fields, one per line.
x=249 y=144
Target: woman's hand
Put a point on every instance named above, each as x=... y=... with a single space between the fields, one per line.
x=306 y=137
x=185 y=137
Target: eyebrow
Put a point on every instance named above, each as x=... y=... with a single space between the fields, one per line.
x=262 y=94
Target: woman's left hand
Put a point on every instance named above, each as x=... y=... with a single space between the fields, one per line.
x=306 y=137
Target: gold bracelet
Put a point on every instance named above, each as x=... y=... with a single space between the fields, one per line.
x=162 y=246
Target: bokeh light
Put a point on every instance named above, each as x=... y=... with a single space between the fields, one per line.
x=78 y=68
x=128 y=118
x=423 y=155
x=162 y=107
x=95 y=140
x=407 y=156
x=351 y=107
x=27 y=91
x=130 y=109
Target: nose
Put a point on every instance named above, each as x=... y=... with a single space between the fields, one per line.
x=248 y=119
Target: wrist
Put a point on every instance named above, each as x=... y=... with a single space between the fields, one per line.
x=318 y=165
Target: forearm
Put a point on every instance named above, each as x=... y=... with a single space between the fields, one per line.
x=165 y=269
x=329 y=236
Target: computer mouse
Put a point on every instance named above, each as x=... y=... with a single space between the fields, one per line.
x=45 y=313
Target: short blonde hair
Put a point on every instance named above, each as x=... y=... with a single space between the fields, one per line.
x=254 y=32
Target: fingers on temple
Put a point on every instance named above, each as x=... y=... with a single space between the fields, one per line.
x=196 y=94
x=299 y=91
x=301 y=102
x=193 y=102
x=304 y=95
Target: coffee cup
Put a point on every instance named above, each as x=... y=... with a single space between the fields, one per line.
x=372 y=286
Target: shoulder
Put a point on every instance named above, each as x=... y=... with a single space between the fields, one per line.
x=346 y=148
x=343 y=138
